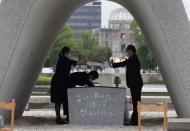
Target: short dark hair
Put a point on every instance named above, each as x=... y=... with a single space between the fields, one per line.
x=65 y=50
x=131 y=47
x=94 y=73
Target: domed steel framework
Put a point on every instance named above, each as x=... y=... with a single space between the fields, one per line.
x=121 y=14
x=120 y=19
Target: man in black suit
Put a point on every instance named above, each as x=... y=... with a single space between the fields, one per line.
x=133 y=79
x=83 y=78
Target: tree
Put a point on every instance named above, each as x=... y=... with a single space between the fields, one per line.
x=145 y=55
x=86 y=49
x=65 y=38
x=91 y=49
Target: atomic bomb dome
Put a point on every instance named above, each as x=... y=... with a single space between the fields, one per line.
x=120 y=14
x=120 y=18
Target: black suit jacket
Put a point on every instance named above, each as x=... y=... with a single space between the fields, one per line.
x=133 y=76
x=80 y=78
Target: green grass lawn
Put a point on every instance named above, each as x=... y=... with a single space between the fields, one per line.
x=43 y=80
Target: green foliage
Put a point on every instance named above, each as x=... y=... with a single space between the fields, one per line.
x=43 y=80
x=145 y=55
x=91 y=49
x=65 y=38
x=86 y=49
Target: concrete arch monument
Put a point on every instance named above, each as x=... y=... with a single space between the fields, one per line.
x=28 y=29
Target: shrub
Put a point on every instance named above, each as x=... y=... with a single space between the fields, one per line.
x=43 y=80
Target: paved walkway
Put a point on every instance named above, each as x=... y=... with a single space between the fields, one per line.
x=44 y=121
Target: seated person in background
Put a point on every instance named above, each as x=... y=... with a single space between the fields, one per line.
x=83 y=78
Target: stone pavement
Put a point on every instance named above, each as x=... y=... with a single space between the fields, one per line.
x=43 y=120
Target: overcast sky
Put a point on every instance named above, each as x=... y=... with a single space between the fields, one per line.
x=108 y=6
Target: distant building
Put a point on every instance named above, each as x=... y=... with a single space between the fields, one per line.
x=117 y=35
x=86 y=18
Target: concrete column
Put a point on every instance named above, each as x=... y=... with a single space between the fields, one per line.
x=166 y=28
x=28 y=31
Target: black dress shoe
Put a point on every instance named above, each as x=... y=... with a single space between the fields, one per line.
x=59 y=122
x=127 y=123
x=67 y=118
x=134 y=123
x=66 y=122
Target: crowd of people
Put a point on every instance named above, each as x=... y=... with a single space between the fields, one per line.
x=62 y=80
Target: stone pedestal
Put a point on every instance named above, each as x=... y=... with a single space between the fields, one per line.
x=96 y=106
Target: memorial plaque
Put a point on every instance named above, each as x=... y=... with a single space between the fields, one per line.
x=96 y=105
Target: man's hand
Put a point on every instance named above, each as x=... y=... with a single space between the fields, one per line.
x=81 y=62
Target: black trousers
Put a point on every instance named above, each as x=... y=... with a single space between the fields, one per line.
x=65 y=97
x=136 y=96
x=65 y=105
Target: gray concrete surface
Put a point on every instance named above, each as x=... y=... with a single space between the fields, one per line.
x=44 y=121
x=178 y=124
x=29 y=29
